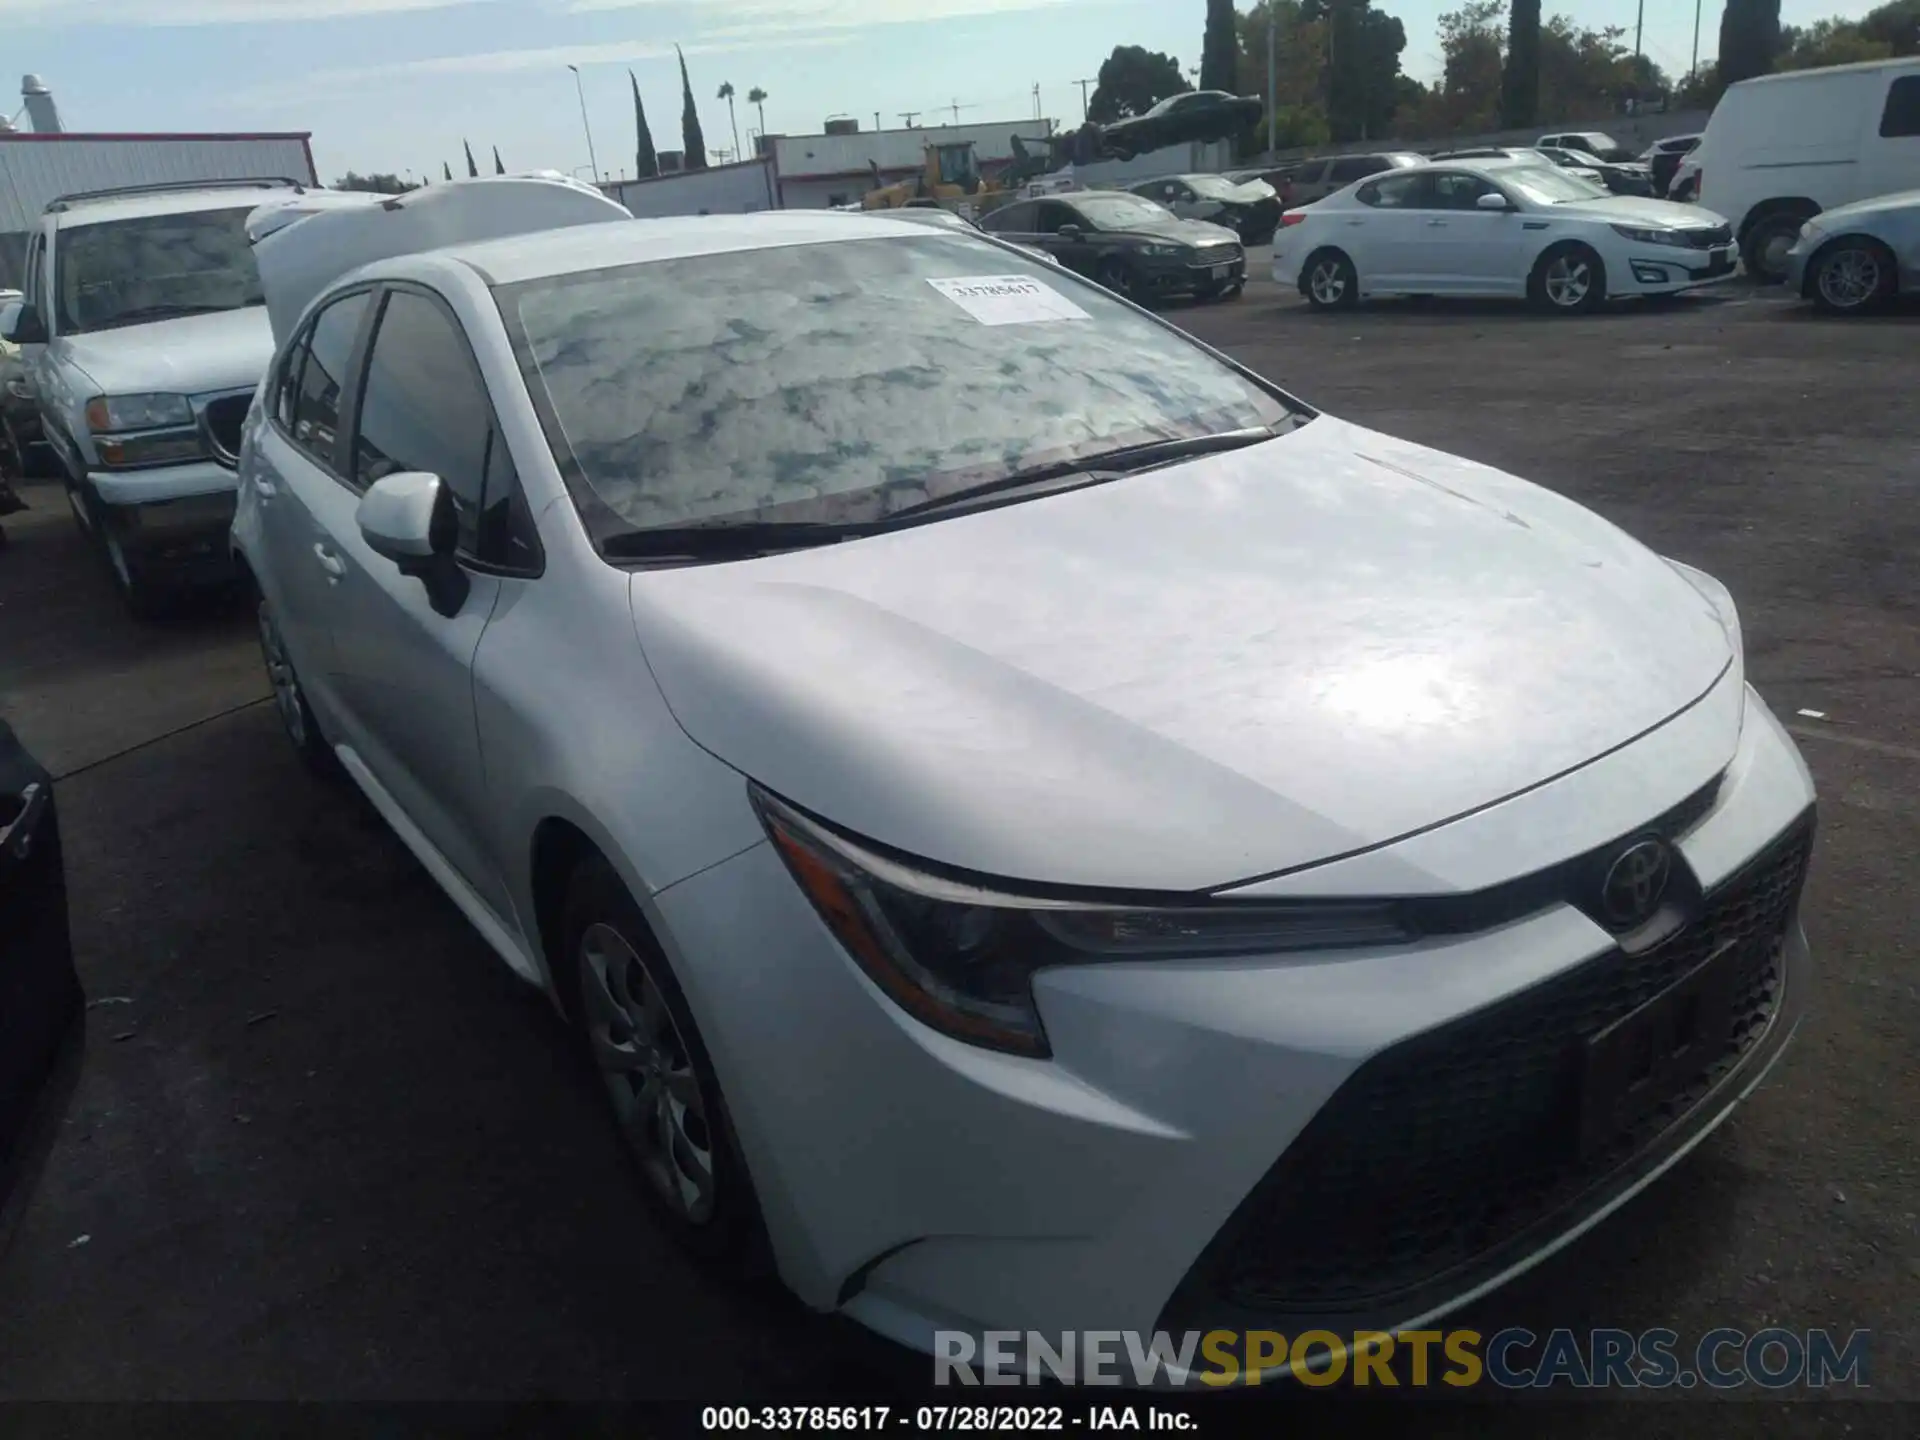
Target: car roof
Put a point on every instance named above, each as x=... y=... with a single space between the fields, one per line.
x=1909 y=61
x=636 y=242
x=92 y=210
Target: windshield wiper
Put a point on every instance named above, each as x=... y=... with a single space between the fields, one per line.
x=729 y=540
x=1098 y=468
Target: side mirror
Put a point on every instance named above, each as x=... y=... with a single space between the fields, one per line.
x=1071 y=232
x=26 y=327
x=409 y=518
x=1491 y=201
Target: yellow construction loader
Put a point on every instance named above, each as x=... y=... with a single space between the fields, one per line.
x=951 y=180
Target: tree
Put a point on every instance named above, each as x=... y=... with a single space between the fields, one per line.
x=757 y=98
x=499 y=166
x=1828 y=42
x=1132 y=81
x=1363 y=67
x=377 y=184
x=690 y=137
x=1749 y=38
x=646 y=160
x=726 y=94
x=1218 y=50
x=473 y=170
x=446 y=169
x=1298 y=103
x=1896 y=23
x=1520 y=80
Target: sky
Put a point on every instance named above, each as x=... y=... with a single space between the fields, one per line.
x=396 y=85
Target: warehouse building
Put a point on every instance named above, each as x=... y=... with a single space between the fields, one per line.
x=42 y=164
x=836 y=167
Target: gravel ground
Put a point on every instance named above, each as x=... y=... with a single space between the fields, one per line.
x=326 y=1148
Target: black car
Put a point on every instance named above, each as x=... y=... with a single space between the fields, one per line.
x=1129 y=244
x=1620 y=177
x=1197 y=115
x=41 y=1006
x=1251 y=208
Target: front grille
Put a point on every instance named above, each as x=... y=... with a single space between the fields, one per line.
x=225 y=419
x=1708 y=239
x=1224 y=254
x=1440 y=1149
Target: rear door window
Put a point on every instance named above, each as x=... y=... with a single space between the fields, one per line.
x=1901 y=117
x=1014 y=219
x=1395 y=192
x=323 y=372
x=1345 y=172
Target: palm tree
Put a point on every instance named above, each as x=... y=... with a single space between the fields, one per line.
x=757 y=98
x=726 y=94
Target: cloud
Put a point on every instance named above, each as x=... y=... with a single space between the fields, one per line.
x=202 y=12
x=765 y=17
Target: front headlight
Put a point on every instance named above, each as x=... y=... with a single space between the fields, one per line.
x=108 y=413
x=1651 y=237
x=961 y=958
x=1164 y=252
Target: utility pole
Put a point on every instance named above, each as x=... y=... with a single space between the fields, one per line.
x=910 y=118
x=1694 y=68
x=876 y=121
x=1273 y=83
x=1036 y=101
x=1639 y=22
x=1083 y=84
x=581 y=88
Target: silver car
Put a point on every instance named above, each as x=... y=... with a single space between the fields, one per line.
x=1857 y=257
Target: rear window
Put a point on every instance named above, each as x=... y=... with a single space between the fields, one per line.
x=1902 y=113
x=1347 y=171
x=835 y=382
x=156 y=267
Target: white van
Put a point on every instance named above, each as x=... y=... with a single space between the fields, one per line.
x=1782 y=148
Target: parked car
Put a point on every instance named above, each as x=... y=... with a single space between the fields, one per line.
x=1662 y=159
x=941 y=218
x=1572 y=161
x=917 y=708
x=1497 y=227
x=1251 y=208
x=144 y=339
x=1629 y=177
x=42 y=1008
x=19 y=416
x=1779 y=149
x=1684 y=188
x=1855 y=258
x=1133 y=246
x=1596 y=143
x=1317 y=179
x=1194 y=115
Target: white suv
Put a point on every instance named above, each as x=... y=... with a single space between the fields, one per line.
x=145 y=333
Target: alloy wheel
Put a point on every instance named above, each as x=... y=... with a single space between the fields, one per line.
x=1327 y=283
x=286 y=686
x=647 y=1067
x=1850 y=279
x=1569 y=280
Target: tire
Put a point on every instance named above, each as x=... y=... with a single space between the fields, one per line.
x=1329 y=281
x=1763 y=249
x=1112 y=272
x=1852 y=276
x=290 y=700
x=1568 y=280
x=638 y=1034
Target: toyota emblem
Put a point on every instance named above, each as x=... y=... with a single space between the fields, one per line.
x=1635 y=882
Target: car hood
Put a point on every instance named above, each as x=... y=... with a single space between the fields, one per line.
x=1231 y=667
x=185 y=356
x=1642 y=209
x=1183 y=232
x=1840 y=215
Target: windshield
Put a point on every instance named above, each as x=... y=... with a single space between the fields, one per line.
x=120 y=272
x=845 y=381
x=1547 y=186
x=1118 y=212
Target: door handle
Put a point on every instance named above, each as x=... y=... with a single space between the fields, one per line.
x=1356 y=222
x=264 y=487
x=329 y=562
x=1436 y=222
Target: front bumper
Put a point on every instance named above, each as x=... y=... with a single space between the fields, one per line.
x=923 y=1185
x=178 y=540
x=1661 y=270
x=1798 y=280
x=1176 y=277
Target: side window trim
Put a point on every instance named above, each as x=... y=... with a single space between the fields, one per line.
x=350 y=419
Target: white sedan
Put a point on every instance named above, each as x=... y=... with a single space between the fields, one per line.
x=1497 y=227
x=1037 y=827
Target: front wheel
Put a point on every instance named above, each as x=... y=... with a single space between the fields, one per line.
x=1767 y=244
x=660 y=1084
x=296 y=716
x=1114 y=275
x=1853 y=277
x=1331 y=283
x=1568 y=280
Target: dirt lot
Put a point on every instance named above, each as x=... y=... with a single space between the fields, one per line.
x=325 y=1147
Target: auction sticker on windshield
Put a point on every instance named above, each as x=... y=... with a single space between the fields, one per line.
x=1008 y=299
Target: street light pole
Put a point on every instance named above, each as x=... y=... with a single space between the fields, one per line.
x=1273 y=84
x=582 y=89
x=1694 y=68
